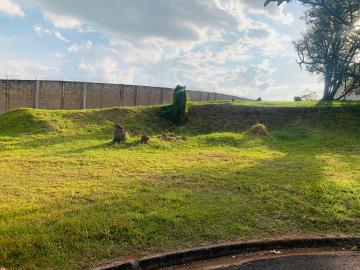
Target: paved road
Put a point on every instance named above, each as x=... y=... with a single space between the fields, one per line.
x=341 y=261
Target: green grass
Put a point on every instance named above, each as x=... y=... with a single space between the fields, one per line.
x=69 y=199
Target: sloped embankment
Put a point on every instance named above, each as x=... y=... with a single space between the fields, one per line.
x=30 y=121
x=220 y=117
x=232 y=117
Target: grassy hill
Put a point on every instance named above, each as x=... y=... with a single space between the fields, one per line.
x=70 y=199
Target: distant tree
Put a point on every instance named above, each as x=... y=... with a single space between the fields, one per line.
x=310 y=96
x=331 y=45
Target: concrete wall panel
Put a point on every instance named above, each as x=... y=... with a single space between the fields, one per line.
x=50 y=95
x=111 y=95
x=194 y=95
x=155 y=95
x=79 y=95
x=72 y=96
x=143 y=95
x=94 y=95
x=168 y=95
x=129 y=95
x=20 y=94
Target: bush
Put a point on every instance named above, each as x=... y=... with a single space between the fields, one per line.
x=178 y=110
x=297 y=99
x=259 y=129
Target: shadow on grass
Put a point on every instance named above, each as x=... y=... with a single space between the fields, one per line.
x=338 y=103
x=188 y=205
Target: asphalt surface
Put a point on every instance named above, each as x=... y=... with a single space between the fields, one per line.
x=341 y=261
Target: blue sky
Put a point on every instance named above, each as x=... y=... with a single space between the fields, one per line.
x=231 y=46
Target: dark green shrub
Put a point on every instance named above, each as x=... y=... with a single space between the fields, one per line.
x=178 y=110
x=180 y=106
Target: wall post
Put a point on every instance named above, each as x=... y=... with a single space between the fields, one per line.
x=83 y=96
x=162 y=96
x=121 y=95
x=7 y=96
x=62 y=97
x=102 y=96
x=36 y=94
x=136 y=95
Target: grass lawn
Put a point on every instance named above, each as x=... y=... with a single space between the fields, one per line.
x=69 y=199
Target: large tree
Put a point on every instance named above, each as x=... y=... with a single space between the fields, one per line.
x=331 y=45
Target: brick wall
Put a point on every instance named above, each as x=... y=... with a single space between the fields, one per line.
x=66 y=95
x=143 y=94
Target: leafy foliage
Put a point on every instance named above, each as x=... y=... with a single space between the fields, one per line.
x=330 y=46
x=178 y=110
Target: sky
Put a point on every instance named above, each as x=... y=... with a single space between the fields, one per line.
x=236 y=47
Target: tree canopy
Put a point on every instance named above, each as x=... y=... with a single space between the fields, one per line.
x=330 y=46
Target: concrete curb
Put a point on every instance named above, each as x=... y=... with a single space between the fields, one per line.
x=223 y=250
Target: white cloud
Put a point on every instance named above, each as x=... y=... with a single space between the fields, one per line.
x=224 y=45
x=266 y=39
x=58 y=55
x=62 y=21
x=59 y=36
x=25 y=69
x=88 y=44
x=107 y=69
x=6 y=40
x=176 y=20
x=272 y=11
x=41 y=31
x=83 y=66
x=74 y=48
x=10 y=8
x=44 y=31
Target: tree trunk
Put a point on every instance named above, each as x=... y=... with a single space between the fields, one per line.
x=327 y=88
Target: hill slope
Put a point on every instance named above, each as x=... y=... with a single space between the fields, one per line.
x=69 y=199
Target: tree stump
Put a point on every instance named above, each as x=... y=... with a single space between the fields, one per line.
x=144 y=137
x=119 y=134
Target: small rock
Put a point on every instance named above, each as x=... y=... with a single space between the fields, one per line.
x=276 y=252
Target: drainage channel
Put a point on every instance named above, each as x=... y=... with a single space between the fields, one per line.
x=310 y=259
x=330 y=252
